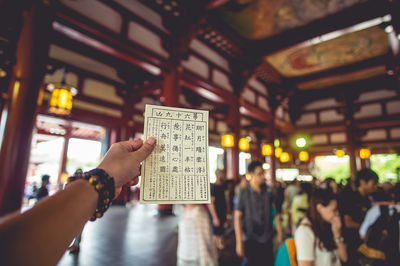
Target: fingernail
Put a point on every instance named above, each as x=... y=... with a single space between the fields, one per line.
x=151 y=141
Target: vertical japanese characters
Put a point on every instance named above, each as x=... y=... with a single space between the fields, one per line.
x=177 y=170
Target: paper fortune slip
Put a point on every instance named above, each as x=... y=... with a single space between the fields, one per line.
x=177 y=170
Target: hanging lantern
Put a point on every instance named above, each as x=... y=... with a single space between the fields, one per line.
x=227 y=141
x=244 y=144
x=340 y=153
x=285 y=157
x=277 y=143
x=365 y=153
x=266 y=150
x=303 y=156
x=61 y=100
x=278 y=152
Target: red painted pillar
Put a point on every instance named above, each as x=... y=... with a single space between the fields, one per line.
x=63 y=166
x=170 y=97
x=232 y=154
x=32 y=52
x=273 y=158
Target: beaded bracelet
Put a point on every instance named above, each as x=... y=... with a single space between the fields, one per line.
x=104 y=185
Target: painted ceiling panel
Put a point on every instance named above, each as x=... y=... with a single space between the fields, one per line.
x=258 y=19
x=338 y=79
x=346 y=49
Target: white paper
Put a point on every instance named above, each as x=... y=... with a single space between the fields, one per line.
x=177 y=172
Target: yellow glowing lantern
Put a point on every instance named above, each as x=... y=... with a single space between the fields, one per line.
x=278 y=152
x=303 y=156
x=277 y=143
x=365 y=153
x=61 y=100
x=285 y=157
x=227 y=141
x=266 y=150
x=244 y=144
x=340 y=153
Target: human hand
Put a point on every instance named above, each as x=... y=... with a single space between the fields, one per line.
x=216 y=221
x=240 y=249
x=122 y=161
x=336 y=225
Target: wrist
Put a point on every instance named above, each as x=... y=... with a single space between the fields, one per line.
x=103 y=184
x=338 y=240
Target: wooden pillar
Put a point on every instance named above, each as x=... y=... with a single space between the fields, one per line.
x=127 y=122
x=64 y=158
x=170 y=97
x=32 y=52
x=273 y=158
x=350 y=139
x=232 y=154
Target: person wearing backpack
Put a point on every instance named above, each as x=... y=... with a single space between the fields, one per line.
x=318 y=238
x=380 y=231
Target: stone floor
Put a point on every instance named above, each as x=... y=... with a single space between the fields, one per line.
x=135 y=235
x=127 y=236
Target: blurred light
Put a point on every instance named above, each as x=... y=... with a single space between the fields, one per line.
x=365 y=153
x=278 y=152
x=307 y=178
x=303 y=156
x=3 y=73
x=389 y=29
x=266 y=166
x=244 y=144
x=266 y=150
x=301 y=142
x=277 y=143
x=285 y=157
x=340 y=153
x=227 y=141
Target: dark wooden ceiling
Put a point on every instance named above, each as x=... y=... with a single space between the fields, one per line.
x=280 y=58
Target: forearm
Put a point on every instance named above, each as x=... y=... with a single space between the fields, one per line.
x=227 y=201
x=238 y=228
x=341 y=251
x=278 y=225
x=348 y=221
x=52 y=224
x=213 y=210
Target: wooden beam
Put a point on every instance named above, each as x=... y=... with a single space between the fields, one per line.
x=205 y=89
x=249 y=110
x=99 y=44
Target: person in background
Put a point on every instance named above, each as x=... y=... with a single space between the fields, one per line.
x=33 y=189
x=300 y=204
x=20 y=233
x=195 y=241
x=332 y=185
x=318 y=238
x=291 y=190
x=242 y=183
x=374 y=212
x=252 y=220
x=353 y=206
x=219 y=207
x=43 y=191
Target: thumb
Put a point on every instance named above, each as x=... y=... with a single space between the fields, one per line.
x=146 y=149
